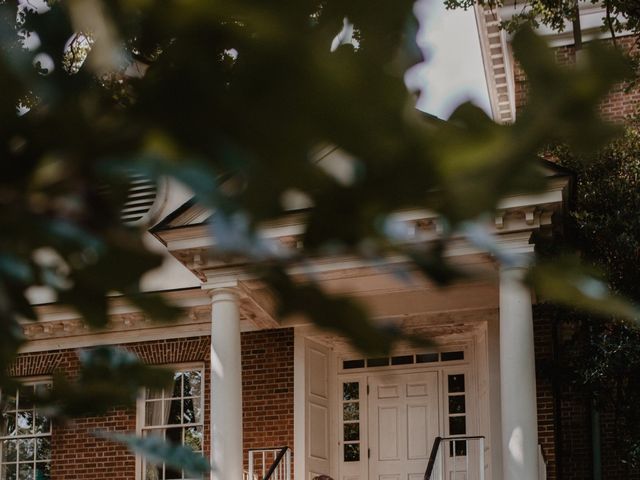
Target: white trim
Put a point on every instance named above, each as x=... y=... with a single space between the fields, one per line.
x=455 y=346
x=299 y=404
x=33 y=380
x=442 y=370
x=116 y=338
x=468 y=366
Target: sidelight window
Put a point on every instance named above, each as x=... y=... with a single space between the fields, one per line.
x=351 y=421
x=457 y=413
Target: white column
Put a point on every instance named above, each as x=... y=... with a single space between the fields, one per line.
x=517 y=379
x=226 y=386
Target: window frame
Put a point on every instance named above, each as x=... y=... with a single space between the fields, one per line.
x=141 y=410
x=27 y=382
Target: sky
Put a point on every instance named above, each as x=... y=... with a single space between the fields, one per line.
x=453 y=71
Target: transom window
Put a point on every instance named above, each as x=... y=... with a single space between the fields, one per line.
x=175 y=414
x=399 y=360
x=25 y=435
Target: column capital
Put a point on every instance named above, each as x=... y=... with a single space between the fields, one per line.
x=230 y=291
x=516 y=262
x=226 y=278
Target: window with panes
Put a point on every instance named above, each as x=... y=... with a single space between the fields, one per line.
x=25 y=435
x=351 y=421
x=176 y=415
x=457 y=413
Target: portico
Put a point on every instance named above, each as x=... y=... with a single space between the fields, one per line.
x=489 y=318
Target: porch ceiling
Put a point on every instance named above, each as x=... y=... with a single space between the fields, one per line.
x=394 y=291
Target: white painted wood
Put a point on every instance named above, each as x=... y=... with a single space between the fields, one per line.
x=542 y=465
x=517 y=379
x=495 y=422
x=299 y=404
x=484 y=397
x=226 y=386
x=403 y=422
x=318 y=411
x=353 y=470
x=462 y=467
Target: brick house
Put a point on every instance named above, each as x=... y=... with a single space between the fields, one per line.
x=259 y=384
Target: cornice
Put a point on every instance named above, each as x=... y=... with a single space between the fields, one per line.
x=498 y=68
x=516 y=214
x=60 y=327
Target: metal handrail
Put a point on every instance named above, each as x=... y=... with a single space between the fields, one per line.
x=276 y=462
x=283 y=452
x=436 y=447
x=432 y=458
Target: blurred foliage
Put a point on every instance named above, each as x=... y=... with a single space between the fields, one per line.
x=619 y=15
x=156 y=450
x=602 y=353
x=108 y=377
x=605 y=209
x=234 y=99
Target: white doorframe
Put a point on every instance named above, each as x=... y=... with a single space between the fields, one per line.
x=471 y=364
x=299 y=405
x=467 y=367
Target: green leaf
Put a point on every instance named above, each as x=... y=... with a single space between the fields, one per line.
x=157 y=450
x=108 y=377
x=567 y=281
x=340 y=314
x=435 y=265
x=156 y=306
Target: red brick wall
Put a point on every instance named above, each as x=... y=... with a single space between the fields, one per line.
x=267 y=386
x=618 y=106
x=267 y=366
x=78 y=454
x=545 y=395
x=575 y=435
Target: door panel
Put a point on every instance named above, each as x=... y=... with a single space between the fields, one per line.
x=418 y=443
x=403 y=422
x=388 y=423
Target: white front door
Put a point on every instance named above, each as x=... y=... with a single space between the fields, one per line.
x=402 y=424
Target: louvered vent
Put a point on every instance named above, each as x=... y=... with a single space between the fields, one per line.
x=140 y=199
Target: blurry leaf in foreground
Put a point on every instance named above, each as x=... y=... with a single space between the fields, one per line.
x=155 y=306
x=340 y=314
x=11 y=334
x=118 y=267
x=157 y=450
x=565 y=102
x=435 y=266
x=567 y=282
x=156 y=163
x=108 y=377
x=482 y=238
